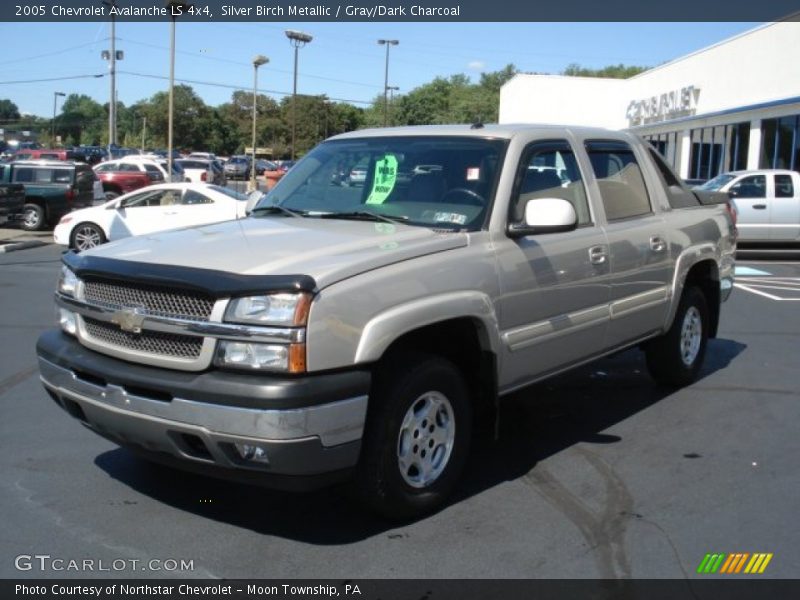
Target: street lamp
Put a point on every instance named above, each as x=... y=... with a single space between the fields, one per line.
x=55 y=98
x=112 y=57
x=258 y=60
x=386 y=43
x=392 y=89
x=176 y=7
x=298 y=39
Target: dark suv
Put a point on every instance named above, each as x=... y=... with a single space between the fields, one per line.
x=52 y=189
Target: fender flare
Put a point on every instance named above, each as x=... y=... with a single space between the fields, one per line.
x=383 y=329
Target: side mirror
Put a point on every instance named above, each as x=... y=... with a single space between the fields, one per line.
x=545 y=215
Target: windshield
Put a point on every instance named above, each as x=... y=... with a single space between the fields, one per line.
x=718 y=182
x=430 y=181
x=229 y=192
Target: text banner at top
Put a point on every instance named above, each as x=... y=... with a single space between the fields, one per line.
x=399 y=10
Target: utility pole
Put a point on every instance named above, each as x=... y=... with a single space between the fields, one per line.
x=144 y=129
x=386 y=43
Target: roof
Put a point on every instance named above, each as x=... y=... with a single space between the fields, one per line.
x=486 y=130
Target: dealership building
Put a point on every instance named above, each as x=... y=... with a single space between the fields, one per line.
x=733 y=105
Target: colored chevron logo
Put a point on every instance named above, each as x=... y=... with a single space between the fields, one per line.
x=731 y=564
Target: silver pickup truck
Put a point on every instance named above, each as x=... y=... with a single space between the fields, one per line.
x=362 y=328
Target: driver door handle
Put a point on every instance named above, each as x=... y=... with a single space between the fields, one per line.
x=598 y=255
x=657 y=244
x=760 y=206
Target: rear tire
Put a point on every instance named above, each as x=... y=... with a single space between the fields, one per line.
x=675 y=358
x=33 y=217
x=416 y=438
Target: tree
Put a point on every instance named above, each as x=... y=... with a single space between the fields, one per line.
x=8 y=111
x=190 y=118
x=83 y=121
x=619 y=71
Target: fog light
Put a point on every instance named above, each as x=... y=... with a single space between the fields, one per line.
x=68 y=321
x=252 y=452
x=253 y=356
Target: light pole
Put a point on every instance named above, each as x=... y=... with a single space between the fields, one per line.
x=386 y=43
x=258 y=60
x=392 y=89
x=55 y=98
x=176 y=8
x=298 y=39
x=144 y=130
x=112 y=57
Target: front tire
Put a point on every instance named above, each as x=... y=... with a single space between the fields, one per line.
x=675 y=358
x=417 y=436
x=86 y=235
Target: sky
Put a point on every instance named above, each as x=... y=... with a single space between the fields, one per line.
x=344 y=60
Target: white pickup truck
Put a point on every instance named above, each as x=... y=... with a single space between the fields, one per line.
x=364 y=329
x=767 y=202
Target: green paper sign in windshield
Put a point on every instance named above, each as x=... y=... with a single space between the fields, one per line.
x=385 y=178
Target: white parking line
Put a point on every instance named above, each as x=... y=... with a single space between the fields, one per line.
x=757 y=285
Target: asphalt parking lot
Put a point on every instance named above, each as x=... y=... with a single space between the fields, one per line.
x=598 y=473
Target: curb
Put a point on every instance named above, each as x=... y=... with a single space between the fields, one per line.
x=14 y=246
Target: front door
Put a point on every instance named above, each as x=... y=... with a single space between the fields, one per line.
x=553 y=306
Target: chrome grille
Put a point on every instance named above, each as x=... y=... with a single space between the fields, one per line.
x=151 y=342
x=156 y=301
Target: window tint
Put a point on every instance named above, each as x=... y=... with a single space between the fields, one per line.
x=104 y=167
x=619 y=179
x=62 y=175
x=783 y=186
x=754 y=186
x=193 y=197
x=549 y=170
x=127 y=168
x=24 y=175
x=666 y=173
x=152 y=198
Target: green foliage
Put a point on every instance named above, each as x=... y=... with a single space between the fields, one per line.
x=227 y=128
x=612 y=71
x=8 y=110
x=453 y=100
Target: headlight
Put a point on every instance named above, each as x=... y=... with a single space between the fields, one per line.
x=270 y=309
x=267 y=357
x=67 y=282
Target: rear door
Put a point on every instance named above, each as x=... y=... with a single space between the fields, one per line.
x=752 y=198
x=639 y=252
x=784 y=214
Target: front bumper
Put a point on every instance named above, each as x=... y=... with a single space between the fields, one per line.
x=310 y=427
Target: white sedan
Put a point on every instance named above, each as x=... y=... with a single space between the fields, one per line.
x=147 y=210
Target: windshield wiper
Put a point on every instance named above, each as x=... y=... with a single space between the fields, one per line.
x=277 y=208
x=363 y=215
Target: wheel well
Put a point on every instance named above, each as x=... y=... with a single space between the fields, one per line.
x=705 y=275
x=462 y=342
x=112 y=187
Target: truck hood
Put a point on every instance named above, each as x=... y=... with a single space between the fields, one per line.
x=329 y=250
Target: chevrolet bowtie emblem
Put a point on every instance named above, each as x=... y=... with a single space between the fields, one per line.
x=129 y=319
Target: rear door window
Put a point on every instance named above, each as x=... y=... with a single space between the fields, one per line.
x=784 y=187
x=619 y=179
